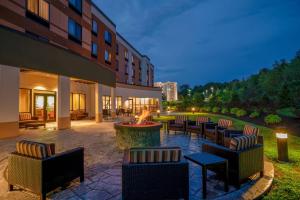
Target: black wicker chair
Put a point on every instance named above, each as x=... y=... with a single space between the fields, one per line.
x=179 y=124
x=157 y=180
x=212 y=131
x=197 y=126
x=242 y=164
x=44 y=175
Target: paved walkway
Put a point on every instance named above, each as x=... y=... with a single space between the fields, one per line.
x=103 y=164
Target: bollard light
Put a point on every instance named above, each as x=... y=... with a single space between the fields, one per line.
x=158 y=113
x=282 y=146
x=193 y=109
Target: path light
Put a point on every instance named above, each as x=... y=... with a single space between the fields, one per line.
x=193 y=109
x=282 y=146
x=158 y=113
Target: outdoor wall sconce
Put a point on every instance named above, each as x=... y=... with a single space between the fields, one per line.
x=282 y=146
x=158 y=113
x=193 y=110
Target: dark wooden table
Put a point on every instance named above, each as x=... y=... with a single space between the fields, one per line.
x=207 y=161
x=35 y=124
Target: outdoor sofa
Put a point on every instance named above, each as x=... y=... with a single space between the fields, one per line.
x=25 y=118
x=212 y=131
x=78 y=115
x=179 y=124
x=245 y=157
x=197 y=126
x=36 y=167
x=154 y=173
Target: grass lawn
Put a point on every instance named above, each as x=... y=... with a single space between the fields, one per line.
x=286 y=183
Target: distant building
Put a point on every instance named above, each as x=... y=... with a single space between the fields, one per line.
x=169 y=90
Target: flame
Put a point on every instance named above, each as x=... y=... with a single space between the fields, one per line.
x=144 y=114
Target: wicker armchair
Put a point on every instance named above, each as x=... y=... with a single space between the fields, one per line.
x=197 y=126
x=155 y=180
x=44 y=175
x=242 y=164
x=179 y=124
x=25 y=118
x=212 y=130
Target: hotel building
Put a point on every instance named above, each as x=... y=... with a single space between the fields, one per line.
x=169 y=90
x=64 y=58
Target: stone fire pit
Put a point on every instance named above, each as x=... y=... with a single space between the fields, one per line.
x=129 y=135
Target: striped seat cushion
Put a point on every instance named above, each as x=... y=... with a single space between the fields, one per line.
x=155 y=155
x=24 y=116
x=242 y=142
x=200 y=120
x=34 y=149
x=224 y=123
x=250 y=130
x=180 y=119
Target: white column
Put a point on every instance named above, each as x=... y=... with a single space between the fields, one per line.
x=63 y=103
x=9 y=101
x=113 y=102
x=98 y=103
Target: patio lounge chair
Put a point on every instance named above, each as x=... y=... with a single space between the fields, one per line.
x=245 y=157
x=248 y=130
x=179 y=124
x=36 y=167
x=197 y=126
x=212 y=130
x=154 y=173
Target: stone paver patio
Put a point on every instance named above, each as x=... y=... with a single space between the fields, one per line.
x=103 y=164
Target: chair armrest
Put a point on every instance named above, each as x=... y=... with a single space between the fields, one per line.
x=34 y=118
x=25 y=171
x=233 y=133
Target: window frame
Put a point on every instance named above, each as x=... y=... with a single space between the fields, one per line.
x=36 y=16
x=92 y=53
x=109 y=39
x=109 y=56
x=94 y=32
x=72 y=101
x=73 y=37
x=74 y=8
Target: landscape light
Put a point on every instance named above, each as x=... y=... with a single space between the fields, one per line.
x=158 y=113
x=282 y=146
x=193 y=109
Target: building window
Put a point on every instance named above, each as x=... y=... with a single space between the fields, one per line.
x=117 y=49
x=76 y=5
x=24 y=100
x=106 y=102
x=94 y=27
x=38 y=10
x=126 y=55
x=107 y=57
x=118 y=102
x=126 y=69
x=74 y=31
x=117 y=65
x=107 y=37
x=78 y=102
x=94 y=50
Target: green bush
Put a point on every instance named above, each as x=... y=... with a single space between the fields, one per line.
x=272 y=119
x=241 y=113
x=224 y=110
x=254 y=114
x=216 y=109
x=207 y=108
x=288 y=112
x=233 y=110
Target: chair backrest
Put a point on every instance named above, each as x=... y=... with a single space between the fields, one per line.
x=243 y=142
x=34 y=149
x=25 y=116
x=250 y=130
x=224 y=123
x=155 y=155
x=180 y=119
x=200 y=120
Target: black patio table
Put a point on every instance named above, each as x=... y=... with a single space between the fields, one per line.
x=209 y=161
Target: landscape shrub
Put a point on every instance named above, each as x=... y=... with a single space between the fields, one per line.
x=216 y=109
x=233 y=110
x=224 y=110
x=241 y=113
x=272 y=119
x=254 y=114
x=207 y=108
x=288 y=112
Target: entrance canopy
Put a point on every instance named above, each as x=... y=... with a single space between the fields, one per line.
x=18 y=50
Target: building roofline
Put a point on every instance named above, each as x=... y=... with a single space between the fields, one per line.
x=118 y=34
x=98 y=9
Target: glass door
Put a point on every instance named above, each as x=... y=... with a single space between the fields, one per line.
x=44 y=107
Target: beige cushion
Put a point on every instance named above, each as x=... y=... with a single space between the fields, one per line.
x=243 y=142
x=34 y=149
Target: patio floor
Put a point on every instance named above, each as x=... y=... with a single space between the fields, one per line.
x=103 y=164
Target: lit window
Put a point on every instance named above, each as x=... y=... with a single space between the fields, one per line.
x=39 y=8
x=94 y=27
x=107 y=56
x=76 y=5
x=107 y=37
x=24 y=100
x=77 y=102
x=94 y=49
x=74 y=30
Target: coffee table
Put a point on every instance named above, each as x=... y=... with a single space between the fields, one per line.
x=208 y=161
x=35 y=124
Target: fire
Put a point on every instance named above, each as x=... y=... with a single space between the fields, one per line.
x=144 y=114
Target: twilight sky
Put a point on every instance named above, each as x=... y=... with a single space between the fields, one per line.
x=198 y=41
